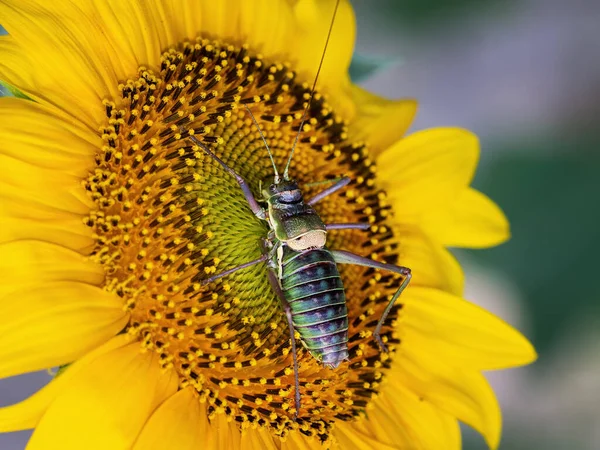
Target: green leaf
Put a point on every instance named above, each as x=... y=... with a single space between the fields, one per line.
x=6 y=90
x=61 y=369
x=362 y=67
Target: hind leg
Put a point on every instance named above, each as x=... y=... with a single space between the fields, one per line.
x=288 y=313
x=343 y=257
x=274 y=281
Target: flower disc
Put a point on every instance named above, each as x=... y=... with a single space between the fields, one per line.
x=168 y=216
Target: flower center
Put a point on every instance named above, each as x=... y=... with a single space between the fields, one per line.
x=168 y=217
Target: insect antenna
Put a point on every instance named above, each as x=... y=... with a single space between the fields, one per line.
x=266 y=145
x=312 y=92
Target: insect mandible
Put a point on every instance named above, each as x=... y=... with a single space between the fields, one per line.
x=302 y=271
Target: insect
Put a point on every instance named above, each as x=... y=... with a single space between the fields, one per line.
x=302 y=270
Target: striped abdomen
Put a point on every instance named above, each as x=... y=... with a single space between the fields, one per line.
x=314 y=290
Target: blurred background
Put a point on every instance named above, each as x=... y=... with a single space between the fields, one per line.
x=524 y=75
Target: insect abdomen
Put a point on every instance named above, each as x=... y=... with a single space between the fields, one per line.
x=314 y=290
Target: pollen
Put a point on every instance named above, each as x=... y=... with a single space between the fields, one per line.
x=167 y=217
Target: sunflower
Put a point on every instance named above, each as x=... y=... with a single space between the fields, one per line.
x=113 y=218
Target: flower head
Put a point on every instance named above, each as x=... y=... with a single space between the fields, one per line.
x=113 y=207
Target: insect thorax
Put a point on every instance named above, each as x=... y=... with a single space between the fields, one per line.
x=293 y=221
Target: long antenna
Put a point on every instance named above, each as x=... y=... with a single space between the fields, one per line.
x=312 y=92
x=276 y=180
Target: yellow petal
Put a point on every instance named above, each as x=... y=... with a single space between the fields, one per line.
x=427 y=170
x=378 y=121
x=432 y=427
x=374 y=431
x=76 y=53
x=13 y=65
x=220 y=432
x=107 y=404
x=349 y=438
x=472 y=220
x=27 y=414
x=174 y=424
x=438 y=323
x=298 y=441
x=55 y=323
x=136 y=28
x=279 y=31
x=43 y=225
x=463 y=394
x=271 y=27
x=400 y=420
x=431 y=264
x=27 y=262
x=74 y=60
x=313 y=18
x=264 y=25
x=41 y=136
x=261 y=438
x=31 y=185
x=44 y=153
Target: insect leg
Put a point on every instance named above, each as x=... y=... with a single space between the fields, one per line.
x=343 y=257
x=263 y=258
x=320 y=182
x=347 y=226
x=254 y=206
x=330 y=190
x=274 y=280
